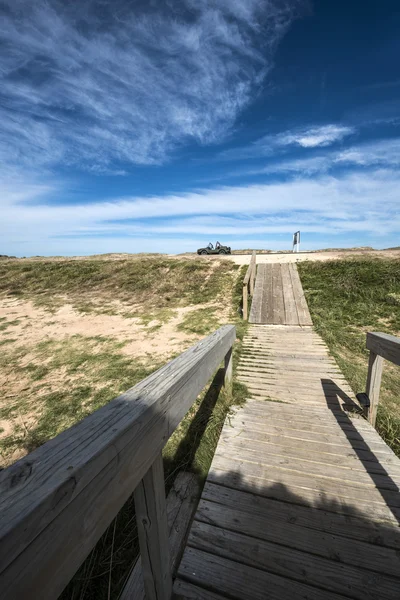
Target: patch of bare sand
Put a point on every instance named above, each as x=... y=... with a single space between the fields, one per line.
x=30 y=325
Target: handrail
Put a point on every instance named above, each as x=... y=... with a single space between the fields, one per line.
x=248 y=283
x=381 y=346
x=56 y=502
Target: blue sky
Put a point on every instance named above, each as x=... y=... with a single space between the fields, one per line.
x=132 y=126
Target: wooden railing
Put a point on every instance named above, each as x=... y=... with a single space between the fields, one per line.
x=56 y=502
x=248 y=284
x=381 y=346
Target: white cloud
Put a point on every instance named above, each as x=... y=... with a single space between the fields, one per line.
x=364 y=204
x=306 y=137
x=324 y=135
x=96 y=84
x=377 y=154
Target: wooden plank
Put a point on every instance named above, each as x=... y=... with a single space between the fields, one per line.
x=181 y=503
x=385 y=345
x=326 y=519
x=365 y=462
x=349 y=439
x=187 y=591
x=277 y=291
x=258 y=295
x=316 y=447
x=267 y=315
x=290 y=364
x=293 y=493
x=301 y=464
x=374 y=377
x=56 y=502
x=334 y=488
x=151 y=517
x=286 y=383
x=297 y=377
x=302 y=308
x=242 y=582
x=330 y=575
x=228 y=374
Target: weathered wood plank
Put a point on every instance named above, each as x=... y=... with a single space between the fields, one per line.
x=330 y=575
x=348 y=439
x=187 y=591
x=316 y=517
x=351 y=493
x=181 y=503
x=151 y=516
x=374 y=377
x=316 y=447
x=293 y=493
x=57 y=502
x=385 y=345
x=300 y=464
x=301 y=303
x=243 y=582
x=277 y=290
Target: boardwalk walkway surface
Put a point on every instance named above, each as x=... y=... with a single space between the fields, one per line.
x=278 y=296
x=302 y=498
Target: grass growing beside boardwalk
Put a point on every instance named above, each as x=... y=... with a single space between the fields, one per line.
x=347 y=298
x=154 y=283
x=67 y=380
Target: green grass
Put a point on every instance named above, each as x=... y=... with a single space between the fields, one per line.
x=201 y=321
x=347 y=298
x=155 y=282
x=91 y=372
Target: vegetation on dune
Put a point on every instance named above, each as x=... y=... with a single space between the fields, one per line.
x=68 y=380
x=156 y=282
x=347 y=298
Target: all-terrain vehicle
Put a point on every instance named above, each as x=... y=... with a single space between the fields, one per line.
x=217 y=250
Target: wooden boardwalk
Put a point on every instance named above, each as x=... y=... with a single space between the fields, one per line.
x=278 y=296
x=302 y=499
x=292 y=364
x=298 y=503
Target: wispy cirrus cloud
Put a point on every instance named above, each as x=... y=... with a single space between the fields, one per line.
x=305 y=137
x=313 y=137
x=98 y=83
x=383 y=154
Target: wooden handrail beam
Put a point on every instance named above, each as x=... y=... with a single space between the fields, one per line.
x=248 y=283
x=381 y=346
x=56 y=502
x=387 y=346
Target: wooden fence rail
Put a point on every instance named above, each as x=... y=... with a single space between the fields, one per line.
x=56 y=502
x=381 y=346
x=248 y=284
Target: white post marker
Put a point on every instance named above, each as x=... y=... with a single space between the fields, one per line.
x=296 y=242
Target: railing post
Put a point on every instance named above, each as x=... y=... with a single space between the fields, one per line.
x=374 y=376
x=228 y=372
x=245 y=301
x=151 y=516
x=253 y=273
x=251 y=281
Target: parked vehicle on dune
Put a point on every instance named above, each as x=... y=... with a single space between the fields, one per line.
x=219 y=249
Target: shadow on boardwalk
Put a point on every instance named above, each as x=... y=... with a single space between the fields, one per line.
x=360 y=446
x=255 y=541
x=319 y=537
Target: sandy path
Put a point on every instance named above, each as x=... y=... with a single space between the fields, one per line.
x=244 y=259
